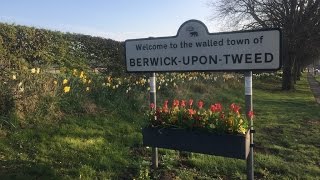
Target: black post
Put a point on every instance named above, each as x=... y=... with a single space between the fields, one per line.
x=248 y=102
x=153 y=99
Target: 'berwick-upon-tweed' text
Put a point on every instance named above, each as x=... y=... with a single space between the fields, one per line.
x=256 y=58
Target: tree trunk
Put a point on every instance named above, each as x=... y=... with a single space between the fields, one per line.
x=299 y=71
x=287 y=83
x=296 y=70
x=287 y=80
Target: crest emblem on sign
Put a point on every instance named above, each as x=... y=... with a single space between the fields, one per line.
x=192 y=32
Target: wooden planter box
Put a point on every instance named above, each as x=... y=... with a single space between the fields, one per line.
x=226 y=145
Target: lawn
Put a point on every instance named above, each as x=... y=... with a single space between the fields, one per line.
x=318 y=77
x=108 y=144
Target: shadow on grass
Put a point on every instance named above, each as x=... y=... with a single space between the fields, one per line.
x=18 y=169
x=290 y=109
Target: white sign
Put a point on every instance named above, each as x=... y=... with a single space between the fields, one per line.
x=195 y=49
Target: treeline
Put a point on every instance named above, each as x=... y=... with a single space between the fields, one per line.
x=28 y=46
x=299 y=21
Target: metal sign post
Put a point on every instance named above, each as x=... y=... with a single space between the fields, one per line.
x=153 y=99
x=248 y=102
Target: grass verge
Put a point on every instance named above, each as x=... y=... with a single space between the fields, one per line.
x=109 y=145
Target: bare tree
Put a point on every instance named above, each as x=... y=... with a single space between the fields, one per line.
x=298 y=19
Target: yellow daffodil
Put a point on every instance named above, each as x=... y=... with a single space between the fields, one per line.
x=14 y=77
x=88 y=88
x=38 y=70
x=89 y=81
x=75 y=72
x=65 y=81
x=66 y=89
x=143 y=81
x=242 y=130
x=21 y=89
x=33 y=70
x=81 y=74
x=55 y=82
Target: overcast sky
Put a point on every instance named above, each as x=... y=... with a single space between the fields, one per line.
x=115 y=19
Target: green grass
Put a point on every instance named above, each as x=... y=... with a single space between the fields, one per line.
x=288 y=126
x=318 y=77
x=79 y=147
x=108 y=145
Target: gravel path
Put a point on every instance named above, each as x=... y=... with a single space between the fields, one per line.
x=315 y=87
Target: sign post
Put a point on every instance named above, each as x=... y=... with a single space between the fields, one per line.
x=195 y=49
x=153 y=100
x=248 y=105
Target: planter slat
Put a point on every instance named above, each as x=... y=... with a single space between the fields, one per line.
x=226 y=145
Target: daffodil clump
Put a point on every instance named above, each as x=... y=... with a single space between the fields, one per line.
x=183 y=114
x=76 y=82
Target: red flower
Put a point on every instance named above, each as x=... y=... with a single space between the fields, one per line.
x=213 y=108
x=235 y=108
x=250 y=114
x=200 y=104
x=152 y=105
x=190 y=102
x=191 y=112
x=222 y=116
x=175 y=103
x=165 y=104
x=216 y=107
x=183 y=103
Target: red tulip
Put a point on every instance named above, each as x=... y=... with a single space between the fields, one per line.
x=191 y=112
x=165 y=104
x=235 y=108
x=222 y=116
x=183 y=103
x=190 y=102
x=200 y=104
x=175 y=103
x=213 y=108
x=250 y=114
x=152 y=105
x=218 y=107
